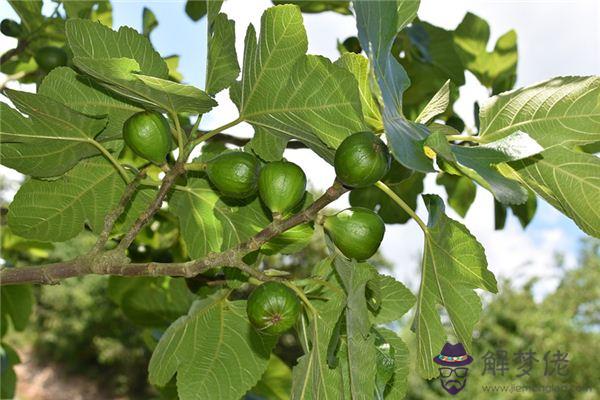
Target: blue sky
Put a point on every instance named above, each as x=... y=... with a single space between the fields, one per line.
x=555 y=38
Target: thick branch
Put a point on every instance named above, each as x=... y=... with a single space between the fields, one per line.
x=111 y=264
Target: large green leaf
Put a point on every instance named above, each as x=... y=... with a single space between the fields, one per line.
x=55 y=211
x=495 y=69
x=317 y=6
x=120 y=75
x=567 y=179
x=222 y=65
x=51 y=141
x=428 y=54
x=561 y=111
x=454 y=264
x=312 y=378
x=397 y=386
x=282 y=88
x=17 y=304
x=359 y=349
x=482 y=159
x=378 y=23
x=359 y=66
x=84 y=95
x=437 y=105
x=461 y=192
x=267 y=146
x=89 y=39
x=395 y=300
x=158 y=302
x=214 y=350
x=209 y=223
x=276 y=383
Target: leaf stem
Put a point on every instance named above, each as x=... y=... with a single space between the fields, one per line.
x=180 y=134
x=214 y=132
x=110 y=158
x=385 y=188
x=464 y=138
x=302 y=296
x=196 y=125
x=195 y=166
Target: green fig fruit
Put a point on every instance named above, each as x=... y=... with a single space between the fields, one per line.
x=281 y=186
x=11 y=28
x=148 y=134
x=357 y=232
x=361 y=160
x=234 y=174
x=273 y=308
x=50 y=57
x=352 y=44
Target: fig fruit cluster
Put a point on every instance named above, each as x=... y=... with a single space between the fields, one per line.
x=360 y=161
x=273 y=308
x=281 y=185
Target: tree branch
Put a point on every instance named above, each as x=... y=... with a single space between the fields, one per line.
x=167 y=182
x=112 y=263
x=113 y=216
x=21 y=46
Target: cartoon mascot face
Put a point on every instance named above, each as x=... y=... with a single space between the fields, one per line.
x=453 y=371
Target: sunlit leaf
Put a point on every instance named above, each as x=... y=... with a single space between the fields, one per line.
x=454 y=264
x=377 y=38
x=214 y=350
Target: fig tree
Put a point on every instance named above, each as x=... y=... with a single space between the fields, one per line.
x=273 y=308
x=147 y=133
x=281 y=185
x=361 y=160
x=234 y=174
x=10 y=28
x=50 y=57
x=357 y=232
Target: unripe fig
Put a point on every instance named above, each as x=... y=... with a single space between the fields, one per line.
x=273 y=308
x=352 y=44
x=11 y=28
x=281 y=185
x=234 y=174
x=357 y=232
x=50 y=57
x=147 y=133
x=361 y=160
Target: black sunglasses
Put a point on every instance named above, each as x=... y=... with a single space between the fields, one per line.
x=460 y=372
